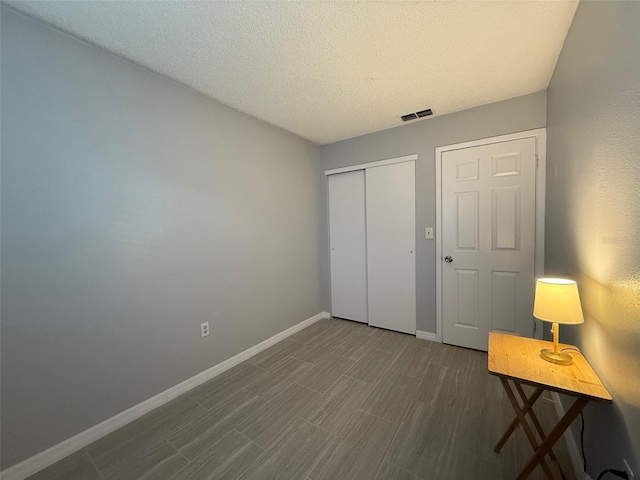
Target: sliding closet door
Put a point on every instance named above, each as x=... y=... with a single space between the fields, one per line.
x=391 y=236
x=348 y=246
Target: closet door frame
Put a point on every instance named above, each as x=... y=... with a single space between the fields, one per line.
x=364 y=167
x=379 y=163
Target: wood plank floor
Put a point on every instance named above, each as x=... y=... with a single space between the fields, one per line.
x=337 y=400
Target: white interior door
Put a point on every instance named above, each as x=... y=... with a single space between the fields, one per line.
x=347 y=233
x=488 y=241
x=391 y=216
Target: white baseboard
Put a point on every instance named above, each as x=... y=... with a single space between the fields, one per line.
x=432 y=337
x=52 y=455
x=574 y=452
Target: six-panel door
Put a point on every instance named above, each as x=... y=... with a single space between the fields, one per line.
x=488 y=241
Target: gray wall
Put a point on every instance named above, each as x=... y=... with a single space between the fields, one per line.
x=422 y=137
x=593 y=212
x=133 y=209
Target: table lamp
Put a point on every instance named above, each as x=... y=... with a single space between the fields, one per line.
x=557 y=301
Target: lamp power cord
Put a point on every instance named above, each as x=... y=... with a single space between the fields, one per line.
x=618 y=473
x=584 y=457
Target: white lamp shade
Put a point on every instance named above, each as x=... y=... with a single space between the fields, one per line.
x=557 y=300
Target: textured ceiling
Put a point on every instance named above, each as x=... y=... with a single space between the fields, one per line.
x=328 y=71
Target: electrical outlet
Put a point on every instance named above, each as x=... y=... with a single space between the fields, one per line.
x=627 y=469
x=204 y=329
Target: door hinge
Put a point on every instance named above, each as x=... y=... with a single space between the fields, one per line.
x=536 y=161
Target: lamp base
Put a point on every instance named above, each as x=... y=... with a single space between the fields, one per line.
x=559 y=358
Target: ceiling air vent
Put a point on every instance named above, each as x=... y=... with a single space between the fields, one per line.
x=413 y=116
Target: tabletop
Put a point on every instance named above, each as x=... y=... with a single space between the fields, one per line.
x=518 y=358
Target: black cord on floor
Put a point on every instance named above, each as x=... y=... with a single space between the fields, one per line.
x=617 y=473
x=584 y=457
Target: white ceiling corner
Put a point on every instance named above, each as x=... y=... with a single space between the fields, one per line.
x=328 y=71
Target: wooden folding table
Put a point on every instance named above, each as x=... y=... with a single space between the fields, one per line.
x=518 y=359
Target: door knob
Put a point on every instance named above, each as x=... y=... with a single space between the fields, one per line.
x=448 y=259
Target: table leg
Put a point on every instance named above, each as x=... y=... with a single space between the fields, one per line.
x=527 y=429
x=516 y=421
x=536 y=424
x=553 y=437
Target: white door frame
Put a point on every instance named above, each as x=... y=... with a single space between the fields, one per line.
x=360 y=166
x=540 y=135
x=377 y=163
